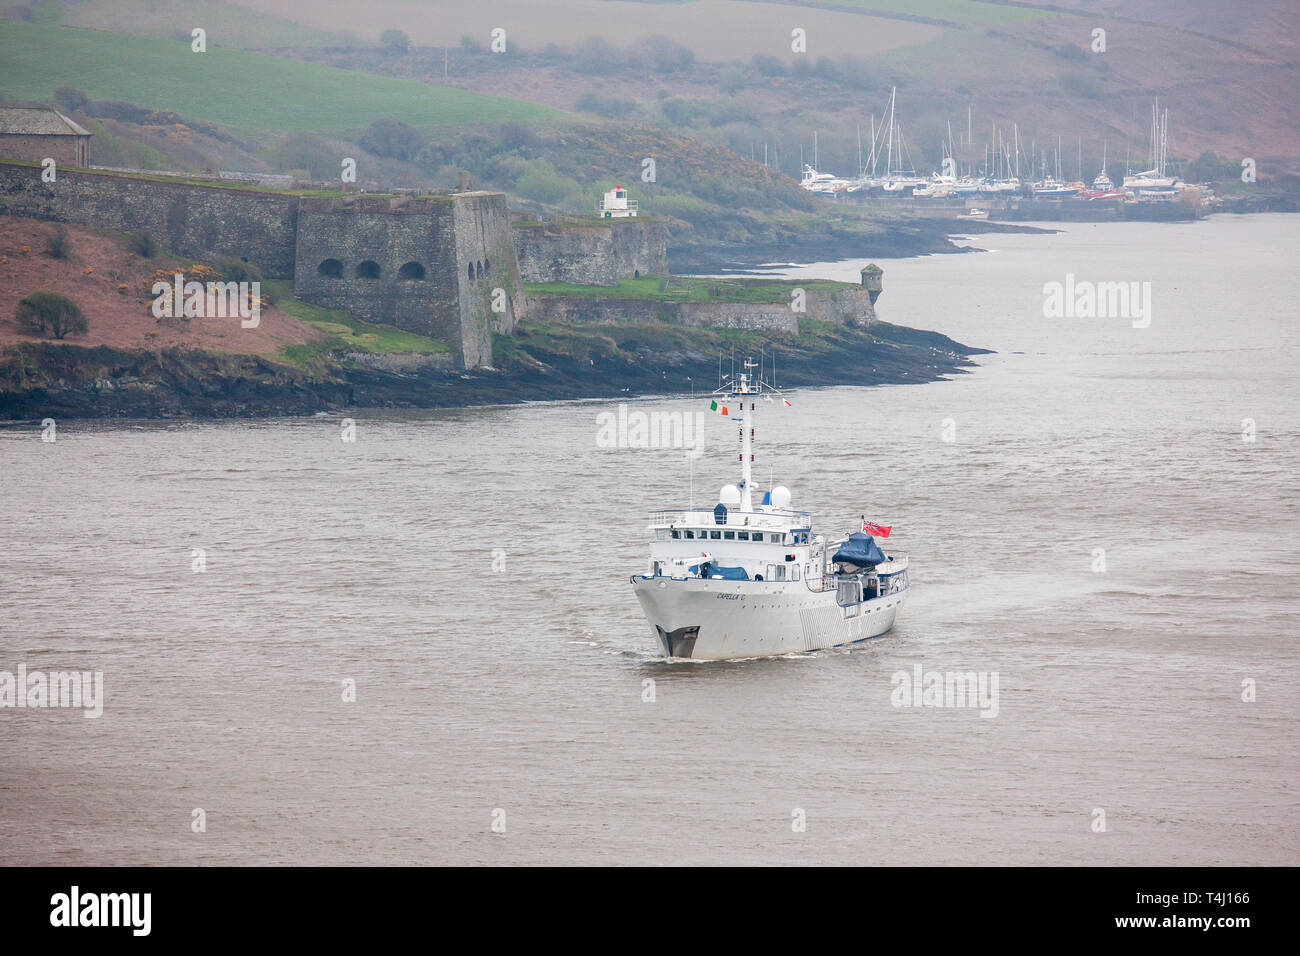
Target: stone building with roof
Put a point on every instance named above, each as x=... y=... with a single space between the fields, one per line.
x=34 y=133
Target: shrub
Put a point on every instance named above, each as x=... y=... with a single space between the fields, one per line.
x=1211 y=167
x=668 y=56
x=310 y=152
x=825 y=69
x=392 y=139
x=1081 y=84
x=395 y=41
x=47 y=311
x=735 y=78
x=767 y=64
x=116 y=109
x=540 y=182
x=597 y=56
x=611 y=107
x=57 y=245
x=231 y=269
x=142 y=244
x=684 y=112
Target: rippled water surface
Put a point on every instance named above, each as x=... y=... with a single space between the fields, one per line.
x=523 y=689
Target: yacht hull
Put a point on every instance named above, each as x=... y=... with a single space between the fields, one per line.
x=715 y=620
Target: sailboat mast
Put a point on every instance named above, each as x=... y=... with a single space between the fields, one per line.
x=889 y=162
x=873 y=143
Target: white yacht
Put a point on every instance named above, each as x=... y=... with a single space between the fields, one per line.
x=824 y=184
x=750 y=577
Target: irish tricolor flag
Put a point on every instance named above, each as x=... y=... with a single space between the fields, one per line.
x=720 y=409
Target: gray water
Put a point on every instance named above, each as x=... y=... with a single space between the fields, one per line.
x=523 y=689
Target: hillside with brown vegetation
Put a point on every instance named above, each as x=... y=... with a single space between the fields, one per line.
x=112 y=286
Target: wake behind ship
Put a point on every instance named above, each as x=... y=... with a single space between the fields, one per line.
x=743 y=580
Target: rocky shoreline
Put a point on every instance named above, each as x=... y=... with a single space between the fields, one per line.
x=544 y=363
x=897 y=239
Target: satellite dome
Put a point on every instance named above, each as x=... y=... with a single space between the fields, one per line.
x=781 y=497
x=729 y=495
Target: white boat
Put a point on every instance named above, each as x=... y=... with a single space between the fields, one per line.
x=1154 y=184
x=745 y=579
x=1050 y=188
x=825 y=184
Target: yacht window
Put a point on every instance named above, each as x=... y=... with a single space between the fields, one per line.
x=689 y=534
x=728 y=535
x=742 y=535
x=675 y=533
x=715 y=535
x=758 y=536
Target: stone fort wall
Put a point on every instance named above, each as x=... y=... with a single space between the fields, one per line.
x=852 y=307
x=591 y=253
x=185 y=218
x=442 y=266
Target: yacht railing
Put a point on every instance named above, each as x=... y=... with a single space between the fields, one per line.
x=735 y=518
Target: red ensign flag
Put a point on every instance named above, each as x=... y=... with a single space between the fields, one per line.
x=879 y=530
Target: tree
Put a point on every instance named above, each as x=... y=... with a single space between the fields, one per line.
x=395 y=41
x=47 y=311
x=391 y=138
x=70 y=98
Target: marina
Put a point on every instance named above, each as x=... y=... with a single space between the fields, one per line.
x=996 y=177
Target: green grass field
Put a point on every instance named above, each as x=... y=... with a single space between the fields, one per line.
x=229 y=24
x=689 y=289
x=245 y=91
x=345 y=331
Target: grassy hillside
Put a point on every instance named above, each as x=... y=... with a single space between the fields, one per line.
x=228 y=24
x=715 y=30
x=247 y=91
